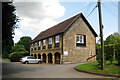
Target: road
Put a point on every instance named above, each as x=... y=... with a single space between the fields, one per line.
x=18 y=70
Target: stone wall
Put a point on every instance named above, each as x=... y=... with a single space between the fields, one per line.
x=82 y=53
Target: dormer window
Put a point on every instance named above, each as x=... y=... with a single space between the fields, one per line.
x=80 y=40
x=50 y=42
x=57 y=40
x=44 y=44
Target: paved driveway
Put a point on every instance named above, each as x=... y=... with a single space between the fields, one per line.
x=18 y=70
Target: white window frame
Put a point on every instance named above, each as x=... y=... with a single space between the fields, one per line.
x=31 y=45
x=57 y=39
x=35 y=44
x=44 y=42
x=39 y=43
x=80 y=38
x=50 y=40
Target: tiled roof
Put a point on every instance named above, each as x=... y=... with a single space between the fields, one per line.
x=59 y=28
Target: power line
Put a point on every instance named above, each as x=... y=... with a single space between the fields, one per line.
x=92 y=11
x=83 y=8
x=114 y=5
x=109 y=10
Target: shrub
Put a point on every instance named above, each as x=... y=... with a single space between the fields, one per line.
x=15 y=57
x=118 y=54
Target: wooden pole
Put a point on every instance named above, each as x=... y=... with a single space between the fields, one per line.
x=101 y=35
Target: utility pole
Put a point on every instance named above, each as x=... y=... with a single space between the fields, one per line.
x=101 y=35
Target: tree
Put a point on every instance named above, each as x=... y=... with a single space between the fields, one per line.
x=111 y=48
x=25 y=41
x=19 y=49
x=9 y=20
x=111 y=39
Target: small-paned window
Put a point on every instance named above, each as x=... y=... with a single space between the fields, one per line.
x=80 y=40
x=57 y=39
x=39 y=45
x=44 y=42
x=50 y=41
x=35 y=45
x=31 y=47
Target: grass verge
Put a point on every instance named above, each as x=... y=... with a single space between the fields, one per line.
x=5 y=59
x=95 y=67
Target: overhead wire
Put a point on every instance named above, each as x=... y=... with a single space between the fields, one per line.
x=114 y=5
x=92 y=11
x=108 y=10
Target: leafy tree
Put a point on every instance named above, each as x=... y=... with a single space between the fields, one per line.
x=98 y=53
x=117 y=50
x=9 y=20
x=15 y=57
x=111 y=39
x=111 y=48
x=19 y=49
x=25 y=41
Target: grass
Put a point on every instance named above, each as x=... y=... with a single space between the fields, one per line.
x=5 y=59
x=95 y=67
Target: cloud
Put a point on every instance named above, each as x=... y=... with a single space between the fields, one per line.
x=38 y=16
x=17 y=35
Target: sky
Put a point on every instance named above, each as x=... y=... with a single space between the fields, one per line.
x=37 y=16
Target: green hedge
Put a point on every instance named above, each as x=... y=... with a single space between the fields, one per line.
x=111 y=53
x=15 y=57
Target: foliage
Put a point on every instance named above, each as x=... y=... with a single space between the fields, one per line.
x=5 y=59
x=9 y=20
x=19 y=49
x=111 y=49
x=95 y=67
x=25 y=41
x=15 y=56
x=111 y=39
x=109 y=52
x=98 y=53
x=17 y=52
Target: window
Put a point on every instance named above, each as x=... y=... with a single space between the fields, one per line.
x=57 y=40
x=80 y=40
x=91 y=53
x=31 y=47
x=35 y=45
x=44 y=44
x=50 y=43
x=39 y=44
x=30 y=58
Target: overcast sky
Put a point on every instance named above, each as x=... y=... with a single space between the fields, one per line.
x=37 y=16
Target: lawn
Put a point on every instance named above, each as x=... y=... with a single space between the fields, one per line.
x=5 y=59
x=95 y=67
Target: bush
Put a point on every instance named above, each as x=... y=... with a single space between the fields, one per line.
x=118 y=54
x=15 y=57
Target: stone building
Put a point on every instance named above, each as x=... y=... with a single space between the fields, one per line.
x=70 y=41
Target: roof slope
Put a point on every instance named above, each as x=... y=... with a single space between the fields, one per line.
x=61 y=27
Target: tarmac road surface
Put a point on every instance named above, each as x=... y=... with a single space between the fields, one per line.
x=19 y=70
